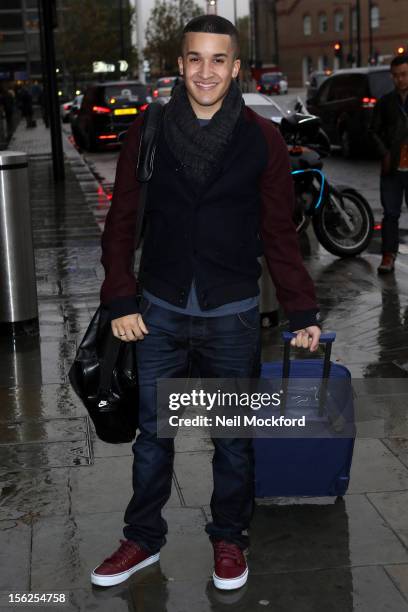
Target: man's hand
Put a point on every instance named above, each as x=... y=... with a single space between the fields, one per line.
x=307 y=338
x=129 y=328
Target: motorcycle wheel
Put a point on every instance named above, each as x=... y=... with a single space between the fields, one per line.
x=344 y=227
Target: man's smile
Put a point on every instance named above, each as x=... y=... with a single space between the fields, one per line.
x=205 y=86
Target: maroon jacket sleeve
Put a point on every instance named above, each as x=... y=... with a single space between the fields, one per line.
x=294 y=287
x=119 y=288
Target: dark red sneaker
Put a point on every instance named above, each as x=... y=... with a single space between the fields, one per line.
x=230 y=566
x=128 y=559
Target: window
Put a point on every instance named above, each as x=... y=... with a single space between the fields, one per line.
x=11 y=21
x=323 y=93
x=380 y=83
x=307 y=25
x=11 y=5
x=323 y=62
x=375 y=17
x=323 y=24
x=347 y=86
x=339 y=21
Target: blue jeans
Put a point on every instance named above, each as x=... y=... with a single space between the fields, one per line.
x=226 y=346
x=393 y=188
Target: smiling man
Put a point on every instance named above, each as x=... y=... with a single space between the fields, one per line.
x=221 y=194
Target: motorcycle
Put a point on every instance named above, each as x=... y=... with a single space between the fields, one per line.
x=342 y=218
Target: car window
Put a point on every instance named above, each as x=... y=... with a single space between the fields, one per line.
x=321 y=78
x=323 y=92
x=271 y=78
x=339 y=89
x=380 y=83
x=126 y=92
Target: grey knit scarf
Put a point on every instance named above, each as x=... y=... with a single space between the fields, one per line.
x=199 y=149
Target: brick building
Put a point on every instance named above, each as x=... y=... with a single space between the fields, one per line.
x=308 y=29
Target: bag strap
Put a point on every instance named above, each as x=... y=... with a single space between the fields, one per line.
x=107 y=364
x=145 y=163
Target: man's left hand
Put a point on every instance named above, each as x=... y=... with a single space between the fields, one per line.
x=307 y=338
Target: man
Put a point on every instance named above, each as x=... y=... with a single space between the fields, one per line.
x=390 y=132
x=221 y=179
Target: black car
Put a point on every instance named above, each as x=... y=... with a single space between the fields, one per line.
x=107 y=111
x=345 y=103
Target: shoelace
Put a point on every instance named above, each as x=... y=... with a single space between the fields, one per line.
x=226 y=550
x=122 y=554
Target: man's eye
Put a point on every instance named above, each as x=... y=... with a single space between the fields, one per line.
x=193 y=59
x=219 y=60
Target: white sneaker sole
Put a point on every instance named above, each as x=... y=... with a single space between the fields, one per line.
x=227 y=584
x=112 y=579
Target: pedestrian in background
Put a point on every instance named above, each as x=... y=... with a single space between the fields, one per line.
x=26 y=105
x=7 y=101
x=389 y=129
x=221 y=193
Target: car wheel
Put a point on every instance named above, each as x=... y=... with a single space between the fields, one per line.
x=346 y=143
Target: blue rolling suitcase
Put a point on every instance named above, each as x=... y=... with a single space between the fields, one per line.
x=312 y=466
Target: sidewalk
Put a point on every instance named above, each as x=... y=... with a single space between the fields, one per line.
x=63 y=492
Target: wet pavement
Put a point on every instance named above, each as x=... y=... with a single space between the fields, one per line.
x=63 y=492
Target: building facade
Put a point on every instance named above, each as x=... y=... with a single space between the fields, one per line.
x=20 y=52
x=20 y=41
x=308 y=30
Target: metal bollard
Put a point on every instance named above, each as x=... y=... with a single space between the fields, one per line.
x=18 y=290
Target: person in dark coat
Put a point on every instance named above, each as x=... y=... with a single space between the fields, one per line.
x=26 y=105
x=389 y=129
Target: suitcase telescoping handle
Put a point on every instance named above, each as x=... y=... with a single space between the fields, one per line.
x=326 y=339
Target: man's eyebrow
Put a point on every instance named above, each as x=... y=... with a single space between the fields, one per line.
x=215 y=54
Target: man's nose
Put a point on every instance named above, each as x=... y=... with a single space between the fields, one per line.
x=206 y=69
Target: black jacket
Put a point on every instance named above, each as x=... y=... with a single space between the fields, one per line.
x=389 y=127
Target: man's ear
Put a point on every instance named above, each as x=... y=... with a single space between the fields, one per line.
x=180 y=65
x=236 y=68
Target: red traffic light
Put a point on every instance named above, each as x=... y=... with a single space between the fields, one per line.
x=401 y=50
x=337 y=46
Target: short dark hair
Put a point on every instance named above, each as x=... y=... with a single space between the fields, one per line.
x=213 y=24
x=399 y=60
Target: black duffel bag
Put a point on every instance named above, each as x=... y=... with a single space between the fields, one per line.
x=104 y=372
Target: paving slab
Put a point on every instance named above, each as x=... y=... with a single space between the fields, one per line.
x=33 y=493
x=316 y=536
x=375 y=468
x=39 y=402
x=66 y=549
x=196 y=490
x=15 y=555
x=393 y=507
x=399 y=576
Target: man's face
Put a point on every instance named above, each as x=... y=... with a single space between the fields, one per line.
x=400 y=76
x=208 y=65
